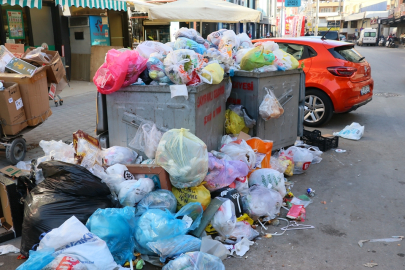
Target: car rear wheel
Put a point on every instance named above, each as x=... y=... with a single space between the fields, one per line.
x=318 y=108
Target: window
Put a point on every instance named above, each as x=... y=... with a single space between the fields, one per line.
x=345 y=24
x=294 y=49
x=366 y=34
x=79 y=35
x=347 y=53
x=353 y=24
x=373 y=34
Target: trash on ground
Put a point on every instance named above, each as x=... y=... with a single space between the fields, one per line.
x=195 y=260
x=340 y=151
x=388 y=240
x=242 y=247
x=214 y=247
x=370 y=265
x=5 y=249
x=353 y=132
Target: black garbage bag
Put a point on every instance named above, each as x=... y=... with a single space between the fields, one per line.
x=145 y=77
x=68 y=190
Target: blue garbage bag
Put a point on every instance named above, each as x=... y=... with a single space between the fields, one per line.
x=156 y=224
x=185 y=43
x=175 y=246
x=116 y=227
x=195 y=261
x=160 y=199
x=38 y=259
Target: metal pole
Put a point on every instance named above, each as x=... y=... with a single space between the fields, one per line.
x=282 y=18
x=316 y=18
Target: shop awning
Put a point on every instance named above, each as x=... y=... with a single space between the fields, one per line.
x=23 y=3
x=102 y=4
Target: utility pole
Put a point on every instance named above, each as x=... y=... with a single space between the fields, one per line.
x=317 y=18
x=281 y=18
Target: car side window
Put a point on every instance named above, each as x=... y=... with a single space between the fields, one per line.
x=311 y=52
x=295 y=50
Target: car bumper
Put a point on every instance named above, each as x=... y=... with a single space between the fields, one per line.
x=349 y=97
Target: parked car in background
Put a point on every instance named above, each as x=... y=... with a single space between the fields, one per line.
x=332 y=35
x=337 y=78
x=343 y=38
x=368 y=36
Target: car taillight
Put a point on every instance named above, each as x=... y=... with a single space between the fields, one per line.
x=342 y=71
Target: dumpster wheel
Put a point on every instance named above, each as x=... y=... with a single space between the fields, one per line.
x=16 y=150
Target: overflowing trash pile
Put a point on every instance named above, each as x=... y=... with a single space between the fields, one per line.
x=84 y=208
x=190 y=60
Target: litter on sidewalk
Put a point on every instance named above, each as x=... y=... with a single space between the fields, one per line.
x=232 y=190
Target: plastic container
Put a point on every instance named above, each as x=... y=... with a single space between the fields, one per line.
x=314 y=138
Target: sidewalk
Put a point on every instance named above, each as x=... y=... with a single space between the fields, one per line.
x=77 y=112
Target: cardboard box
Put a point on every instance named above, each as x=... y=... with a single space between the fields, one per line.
x=12 y=171
x=11 y=211
x=34 y=93
x=5 y=55
x=16 y=49
x=12 y=113
x=21 y=67
x=55 y=71
x=52 y=91
x=59 y=87
x=152 y=170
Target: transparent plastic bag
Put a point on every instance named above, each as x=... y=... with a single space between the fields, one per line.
x=136 y=65
x=268 y=178
x=132 y=191
x=184 y=157
x=37 y=55
x=352 y=132
x=239 y=55
x=195 y=261
x=262 y=201
x=5 y=249
x=229 y=42
x=242 y=186
x=302 y=158
x=115 y=226
x=288 y=159
x=172 y=247
x=156 y=70
x=222 y=173
x=159 y=199
x=58 y=150
x=180 y=64
x=119 y=169
x=146 y=48
x=240 y=150
x=224 y=219
x=113 y=182
x=190 y=34
x=270 y=107
x=242 y=230
x=244 y=41
x=118 y=154
x=242 y=112
x=285 y=61
x=215 y=37
x=157 y=225
x=316 y=153
x=147 y=139
x=278 y=164
x=185 y=43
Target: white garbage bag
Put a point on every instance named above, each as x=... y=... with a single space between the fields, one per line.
x=262 y=201
x=240 y=150
x=353 y=132
x=302 y=158
x=269 y=178
x=224 y=220
x=132 y=191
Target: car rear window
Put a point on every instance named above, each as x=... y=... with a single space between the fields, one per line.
x=347 y=53
x=369 y=34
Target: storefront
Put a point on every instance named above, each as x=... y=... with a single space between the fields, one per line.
x=35 y=22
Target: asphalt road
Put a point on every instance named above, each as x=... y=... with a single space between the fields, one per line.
x=363 y=189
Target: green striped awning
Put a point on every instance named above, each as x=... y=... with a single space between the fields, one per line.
x=102 y=4
x=23 y=3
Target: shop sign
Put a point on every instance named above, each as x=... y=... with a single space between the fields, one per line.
x=374 y=20
x=292 y=3
x=15 y=24
x=333 y=24
x=99 y=31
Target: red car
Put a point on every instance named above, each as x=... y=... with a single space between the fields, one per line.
x=337 y=78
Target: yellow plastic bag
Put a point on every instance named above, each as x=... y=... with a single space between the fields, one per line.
x=184 y=157
x=213 y=73
x=256 y=58
x=192 y=194
x=234 y=123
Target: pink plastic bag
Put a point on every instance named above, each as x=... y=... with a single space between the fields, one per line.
x=119 y=70
x=221 y=172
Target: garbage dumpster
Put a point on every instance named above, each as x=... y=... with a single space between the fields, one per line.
x=203 y=113
x=289 y=88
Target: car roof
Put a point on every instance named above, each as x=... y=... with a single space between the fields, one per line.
x=307 y=41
